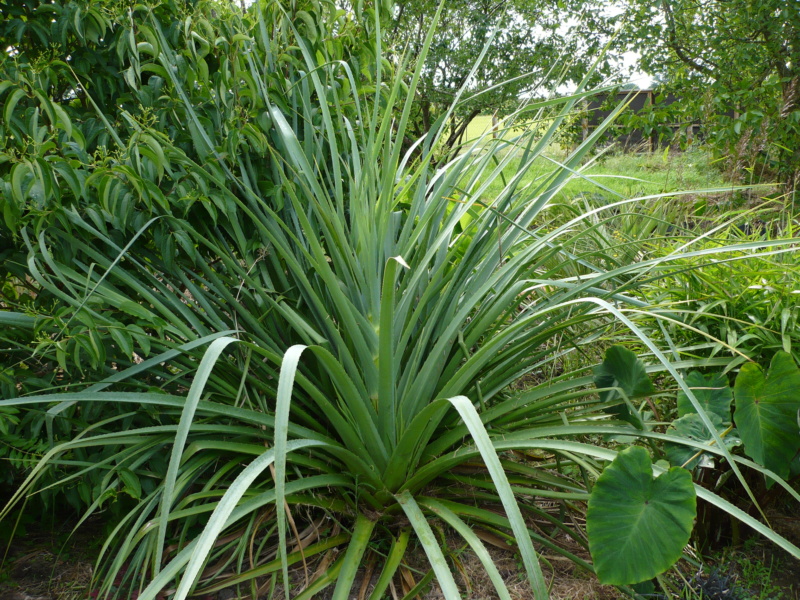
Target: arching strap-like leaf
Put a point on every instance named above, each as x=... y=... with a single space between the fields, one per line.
x=227 y=505
x=489 y=455
x=353 y=558
x=390 y=565
x=767 y=405
x=187 y=417
x=475 y=543
x=283 y=401
x=637 y=526
x=429 y=543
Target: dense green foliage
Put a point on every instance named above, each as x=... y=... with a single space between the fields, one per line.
x=95 y=125
x=735 y=67
x=763 y=424
x=111 y=142
x=255 y=327
x=744 y=307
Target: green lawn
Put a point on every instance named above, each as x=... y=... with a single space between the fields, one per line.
x=478 y=126
x=627 y=175
x=483 y=123
x=618 y=176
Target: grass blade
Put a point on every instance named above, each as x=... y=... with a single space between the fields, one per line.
x=393 y=560
x=475 y=543
x=283 y=405
x=219 y=518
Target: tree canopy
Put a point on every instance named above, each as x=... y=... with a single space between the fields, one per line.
x=736 y=63
x=94 y=97
x=534 y=45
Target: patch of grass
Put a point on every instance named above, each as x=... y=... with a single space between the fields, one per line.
x=478 y=126
x=628 y=175
x=483 y=123
x=658 y=172
x=758 y=576
x=759 y=573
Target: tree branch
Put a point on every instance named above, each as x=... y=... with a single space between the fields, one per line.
x=675 y=46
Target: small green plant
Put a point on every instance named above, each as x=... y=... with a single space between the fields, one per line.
x=758 y=576
x=765 y=415
x=764 y=422
x=748 y=572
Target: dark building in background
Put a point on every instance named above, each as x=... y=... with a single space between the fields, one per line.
x=662 y=134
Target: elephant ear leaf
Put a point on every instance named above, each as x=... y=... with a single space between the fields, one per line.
x=766 y=412
x=623 y=371
x=711 y=391
x=638 y=526
x=690 y=427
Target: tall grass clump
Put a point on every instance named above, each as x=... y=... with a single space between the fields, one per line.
x=322 y=370
x=739 y=305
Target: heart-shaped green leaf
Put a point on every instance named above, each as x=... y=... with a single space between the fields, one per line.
x=713 y=393
x=621 y=369
x=691 y=427
x=638 y=526
x=766 y=412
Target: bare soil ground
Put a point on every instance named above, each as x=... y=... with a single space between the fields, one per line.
x=41 y=565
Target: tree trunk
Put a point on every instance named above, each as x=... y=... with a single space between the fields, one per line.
x=459 y=129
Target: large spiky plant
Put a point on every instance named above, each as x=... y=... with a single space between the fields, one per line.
x=346 y=338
